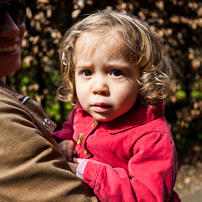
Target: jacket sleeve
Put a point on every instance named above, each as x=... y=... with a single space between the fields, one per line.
x=150 y=177
x=31 y=168
x=66 y=133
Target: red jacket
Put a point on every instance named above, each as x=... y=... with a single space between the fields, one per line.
x=131 y=158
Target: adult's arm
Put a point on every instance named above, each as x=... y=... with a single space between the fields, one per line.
x=31 y=168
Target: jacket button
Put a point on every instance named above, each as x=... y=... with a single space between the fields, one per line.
x=80 y=138
x=46 y=122
x=94 y=123
x=85 y=151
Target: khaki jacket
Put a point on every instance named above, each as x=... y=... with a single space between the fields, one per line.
x=31 y=167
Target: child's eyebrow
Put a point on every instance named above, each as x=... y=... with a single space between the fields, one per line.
x=108 y=66
x=119 y=65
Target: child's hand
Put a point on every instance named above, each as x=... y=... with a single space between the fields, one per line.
x=67 y=148
x=75 y=164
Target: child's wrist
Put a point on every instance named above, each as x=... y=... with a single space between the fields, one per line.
x=81 y=167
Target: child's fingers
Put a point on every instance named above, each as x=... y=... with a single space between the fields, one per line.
x=74 y=151
x=70 y=149
x=77 y=160
x=67 y=147
x=63 y=147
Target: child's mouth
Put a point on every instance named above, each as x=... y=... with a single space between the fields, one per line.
x=101 y=107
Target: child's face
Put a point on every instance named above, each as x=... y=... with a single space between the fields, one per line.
x=106 y=85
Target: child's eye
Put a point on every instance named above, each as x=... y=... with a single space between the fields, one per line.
x=86 y=73
x=116 y=73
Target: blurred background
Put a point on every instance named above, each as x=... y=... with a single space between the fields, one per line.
x=177 y=22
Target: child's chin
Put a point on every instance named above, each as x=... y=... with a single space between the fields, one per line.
x=103 y=119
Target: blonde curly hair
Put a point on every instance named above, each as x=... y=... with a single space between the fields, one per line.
x=142 y=47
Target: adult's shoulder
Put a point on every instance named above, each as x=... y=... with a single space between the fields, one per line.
x=9 y=98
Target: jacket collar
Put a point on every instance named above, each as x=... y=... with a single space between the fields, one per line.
x=138 y=115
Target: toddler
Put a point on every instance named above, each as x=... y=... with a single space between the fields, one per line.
x=116 y=76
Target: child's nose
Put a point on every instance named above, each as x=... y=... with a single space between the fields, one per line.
x=100 y=86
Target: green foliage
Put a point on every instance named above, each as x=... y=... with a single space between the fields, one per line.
x=196 y=94
x=181 y=94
